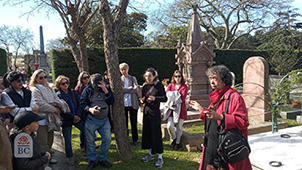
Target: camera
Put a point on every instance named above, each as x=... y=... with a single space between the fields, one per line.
x=101 y=108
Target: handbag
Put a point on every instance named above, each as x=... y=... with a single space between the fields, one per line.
x=233 y=146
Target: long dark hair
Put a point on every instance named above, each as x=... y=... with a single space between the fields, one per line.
x=173 y=77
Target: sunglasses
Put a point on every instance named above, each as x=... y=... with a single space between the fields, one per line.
x=41 y=78
x=63 y=84
x=86 y=77
x=19 y=80
x=177 y=76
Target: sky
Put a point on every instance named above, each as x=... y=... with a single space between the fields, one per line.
x=52 y=26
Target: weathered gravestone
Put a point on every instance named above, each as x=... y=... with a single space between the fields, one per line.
x=255 y=88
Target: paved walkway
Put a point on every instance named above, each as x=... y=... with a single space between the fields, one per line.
x=59 y=153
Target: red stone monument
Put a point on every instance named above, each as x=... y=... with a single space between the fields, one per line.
x=255 y=88
x=193 y=58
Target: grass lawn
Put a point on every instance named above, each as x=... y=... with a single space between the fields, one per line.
x=173 y=160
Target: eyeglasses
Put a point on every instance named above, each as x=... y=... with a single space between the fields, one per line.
x=19 y=80
x=86 y=77
x=41 y=78
x=177 y=76
x=63 y=84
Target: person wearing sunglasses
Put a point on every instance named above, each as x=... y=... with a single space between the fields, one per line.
x=83 y=81
x=17 y=96
x=43 y=95
x=177 y=116
x=72 y=98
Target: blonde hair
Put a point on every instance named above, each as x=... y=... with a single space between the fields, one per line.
x=58 y=81
x=32 y=82
x=124 y=66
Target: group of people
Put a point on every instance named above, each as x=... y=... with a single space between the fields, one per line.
x=40 y=109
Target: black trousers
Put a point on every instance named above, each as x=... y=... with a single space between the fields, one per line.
x=133 y=120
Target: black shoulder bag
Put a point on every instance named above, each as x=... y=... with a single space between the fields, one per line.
x=233 y=146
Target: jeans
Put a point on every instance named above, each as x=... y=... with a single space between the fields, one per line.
x=103 y=127
x=171 y=129
x=133 y=121
x=67 y=137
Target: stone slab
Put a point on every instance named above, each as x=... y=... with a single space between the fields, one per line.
x=290 y=114
x=270 y=146
x=299 y=119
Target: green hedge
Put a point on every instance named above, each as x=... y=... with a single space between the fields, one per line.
x=139 y=59
x=234 y=60
x=3 y=64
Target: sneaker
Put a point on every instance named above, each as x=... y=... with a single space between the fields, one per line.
x=47 y=168
x=105 y=164
x=70 y=161
x=91 y=165
x=148 y=158
x=159 y=163
x=53 y=161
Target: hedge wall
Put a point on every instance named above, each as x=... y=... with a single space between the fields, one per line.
x=139 y=59
x=3 y=64
x=234 y=60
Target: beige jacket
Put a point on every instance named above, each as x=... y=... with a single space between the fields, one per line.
x=133 y=89
x=43 y=97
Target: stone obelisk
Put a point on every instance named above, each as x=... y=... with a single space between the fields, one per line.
x=42 y=56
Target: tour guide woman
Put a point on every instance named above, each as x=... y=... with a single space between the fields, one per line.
x=220 y=80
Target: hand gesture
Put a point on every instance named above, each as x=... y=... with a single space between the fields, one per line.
x=102 y=85
x=94 y=110
x=34 y=109
x=151 y=98
x=48 y=155
x=195 y=105
x=6 y=109
x=142 y=99
x=76 y=119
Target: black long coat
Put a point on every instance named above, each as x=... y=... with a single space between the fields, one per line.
x=152 y=136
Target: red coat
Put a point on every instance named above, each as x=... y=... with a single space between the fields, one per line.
x=237 y=117
x=183 y=90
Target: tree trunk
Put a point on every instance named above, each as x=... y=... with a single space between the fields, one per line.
x=110 y=36
x=119 y=120
x=79 y=55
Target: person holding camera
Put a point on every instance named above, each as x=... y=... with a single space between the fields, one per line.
x=95 y=100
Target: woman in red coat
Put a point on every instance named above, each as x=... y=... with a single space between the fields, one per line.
x=178 y=84
x=220 y=80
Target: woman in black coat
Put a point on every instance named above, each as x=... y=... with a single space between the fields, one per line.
x=152 y=94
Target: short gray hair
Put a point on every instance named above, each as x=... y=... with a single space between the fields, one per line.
x=222 y=71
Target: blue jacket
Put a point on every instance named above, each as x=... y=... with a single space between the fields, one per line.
x=86 y=99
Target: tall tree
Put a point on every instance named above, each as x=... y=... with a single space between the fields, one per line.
x=15 y=39
x=112 y=22
x=76 y=16
x=6 y=41
x=130 y=34
x=233 y=15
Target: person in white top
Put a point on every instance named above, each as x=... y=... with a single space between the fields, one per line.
x=17 y=96
x=131 y=94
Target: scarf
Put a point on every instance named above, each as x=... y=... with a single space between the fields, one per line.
x=215 y=96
